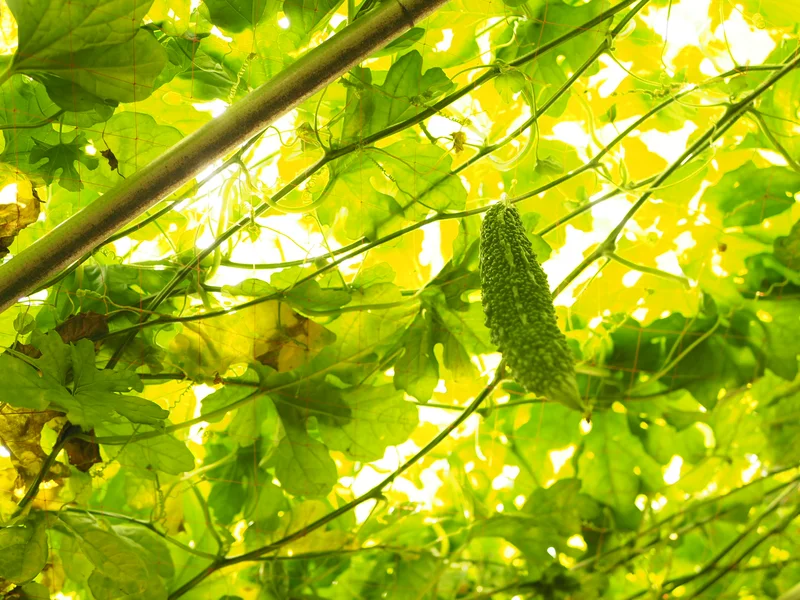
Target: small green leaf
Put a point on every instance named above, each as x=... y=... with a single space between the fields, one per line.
x=161 y=452
x=24 y=323
x=154 y=548
x=99 y=48
x=422 y=176
x=228 y=495
x=305 y=15
x=96 y=393
x=225 y=396
x=250 y=287
x=749 y=195
x=417 y=370
x=59 y=161
x=302 y=464
x=235 y=15
x=308 y=295
x=120 y=565
x=787 y=248
x=137 y=139
x=25 y=388
x=23 y=551
x=381 y=418
x=615 y=468
x=510 y=83
x=405 y=92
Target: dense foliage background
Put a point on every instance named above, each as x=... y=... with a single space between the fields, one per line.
x=311 y=408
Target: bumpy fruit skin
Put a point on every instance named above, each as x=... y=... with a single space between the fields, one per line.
x=519 y=310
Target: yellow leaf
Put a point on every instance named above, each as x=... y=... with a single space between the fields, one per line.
x=270 y=333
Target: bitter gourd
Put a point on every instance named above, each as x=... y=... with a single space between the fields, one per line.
x=519 y=311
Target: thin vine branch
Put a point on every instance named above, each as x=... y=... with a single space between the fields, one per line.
x=732 y=114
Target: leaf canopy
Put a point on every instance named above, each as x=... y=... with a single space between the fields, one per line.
x=278 y=381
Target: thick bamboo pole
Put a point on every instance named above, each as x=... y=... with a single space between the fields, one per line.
x=117 y=207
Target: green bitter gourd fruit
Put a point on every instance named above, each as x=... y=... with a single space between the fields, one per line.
x=519 y=310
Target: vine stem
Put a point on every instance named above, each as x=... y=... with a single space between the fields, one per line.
x=774 y=140
x=590 y=561
x=670 y=585
x=649 y=270
x=599 y=51
x=732 y=114
x=42 y=123
x=372 y=494
x=777 y=528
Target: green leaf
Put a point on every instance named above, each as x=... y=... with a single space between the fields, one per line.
x=26 y=389
x=45 y=34
x=305 y=15
x=650 y=349
x=66 y=94
x=508 y=84
x=236 y=15
x=302 y=464
x=309 y=295
x=59 y=161
x=120 y=568
x=548 y=518
x=138 y=139
x=225 y=396
x=56 y=356
x=422 y=177
x=123 y=285
x=774 y=329
x=154 y=548
x=370 y=213
x=34 y=591
x=23 y=551
x=24 y=323
x=665 y=441
x=787 y=248
x=417 y=370
x=380 y=418
x=305 y=390
x=779 y=402
x=408 y=39
x=250 y=287
x=466 y=326
x=23 y=102
x=550 y=426
x=99 y=48
x=231 y=481
x=96 y=393
x=549 y=71
x=749 y=195
x=615 y=468
x=228 y=496
x=263 y=503
x=405 y=92
x=162 y=452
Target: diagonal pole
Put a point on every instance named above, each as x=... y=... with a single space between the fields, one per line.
x=65 y=244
